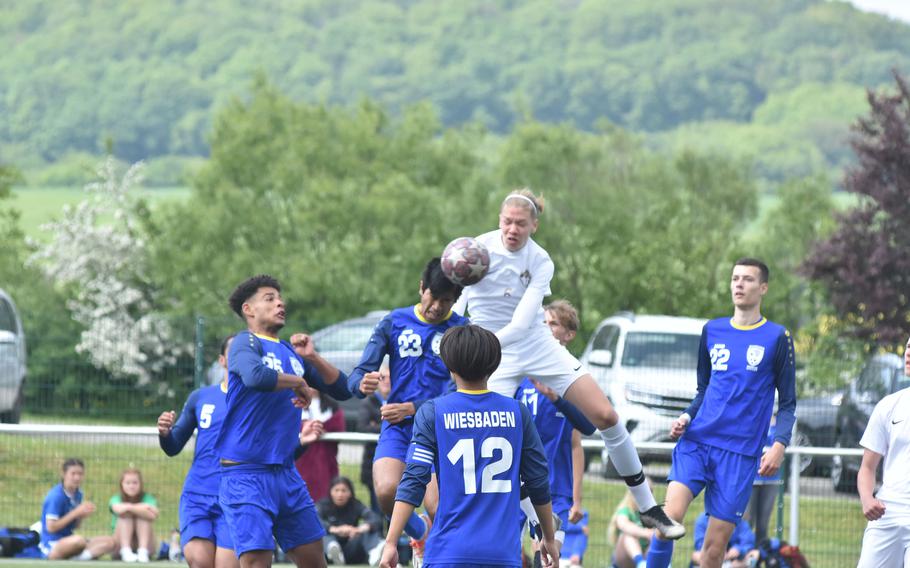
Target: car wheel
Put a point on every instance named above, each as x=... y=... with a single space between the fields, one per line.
x=13 y=415
x=840 y=474
x=801 y=439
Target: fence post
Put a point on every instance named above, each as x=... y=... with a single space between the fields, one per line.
x=199 y=367
x=781 y=491
x=794 y=497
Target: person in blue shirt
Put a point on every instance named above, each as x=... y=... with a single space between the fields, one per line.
x=261 y=494
x=741 y=362
x=204 y=535
x=576 y=541
x=560 y=425
x=63 y=510
x=482 y=445
x=741 y=551
x=410 y=338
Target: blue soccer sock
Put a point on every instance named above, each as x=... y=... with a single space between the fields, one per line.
x=660 y=553
x=639 y=561
x=415 y=527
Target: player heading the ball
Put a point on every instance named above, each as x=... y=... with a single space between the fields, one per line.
x=509 y=302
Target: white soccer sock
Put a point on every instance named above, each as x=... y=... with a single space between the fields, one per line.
x=628 y=465
x=530 y=512
x=85 y=555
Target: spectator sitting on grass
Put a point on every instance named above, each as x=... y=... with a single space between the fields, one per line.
x=61 y=514
x=134 y=514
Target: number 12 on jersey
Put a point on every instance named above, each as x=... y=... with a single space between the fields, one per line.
x=463 y=451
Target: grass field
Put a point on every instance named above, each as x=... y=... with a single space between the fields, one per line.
x=830 y=534
x=40 y=205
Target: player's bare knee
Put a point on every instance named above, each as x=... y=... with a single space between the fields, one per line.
x=604 y=417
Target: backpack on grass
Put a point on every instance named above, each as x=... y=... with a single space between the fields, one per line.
x=17 y=541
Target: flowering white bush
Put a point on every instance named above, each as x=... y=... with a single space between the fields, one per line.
x=96 y=252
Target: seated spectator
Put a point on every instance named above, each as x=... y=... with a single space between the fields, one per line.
x=628 y=536
x=133 y=518
x=61 y=514
x=317 y=462
x=353 y=529
x=741 y=551
x=575 y=544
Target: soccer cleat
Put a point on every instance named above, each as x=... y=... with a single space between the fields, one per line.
x=127 y=555
x=142 y=556
x=417 y=546
x=334 y=553
x=656 y=518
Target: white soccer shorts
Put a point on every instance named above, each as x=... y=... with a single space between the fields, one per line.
x=540 y=357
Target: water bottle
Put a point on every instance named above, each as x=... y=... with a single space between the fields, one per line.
x=175 y=554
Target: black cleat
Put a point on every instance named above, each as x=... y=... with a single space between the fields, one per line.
x=656 y=518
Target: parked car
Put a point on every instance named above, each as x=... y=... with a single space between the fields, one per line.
x=816 y=419
x=12 y=361
x=342 y=344
x=882 y=375
x=647 y=367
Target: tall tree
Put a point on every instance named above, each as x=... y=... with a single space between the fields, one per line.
x=865 y=263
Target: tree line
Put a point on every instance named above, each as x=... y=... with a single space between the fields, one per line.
x=777 y=81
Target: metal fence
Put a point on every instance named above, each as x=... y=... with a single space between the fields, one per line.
x=827 y=526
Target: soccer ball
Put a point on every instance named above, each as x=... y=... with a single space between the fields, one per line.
x=465 y=261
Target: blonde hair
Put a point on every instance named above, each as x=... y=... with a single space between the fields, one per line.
x=613 y=531
x=565 y=313
x=525 y=198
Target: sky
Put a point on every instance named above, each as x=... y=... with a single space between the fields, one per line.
x=898 y=9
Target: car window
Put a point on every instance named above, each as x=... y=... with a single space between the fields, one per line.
x=901 y=381
x=7 y=319
x=606 y=338
x=663 y=350
x=875 y=380
x=344 y=338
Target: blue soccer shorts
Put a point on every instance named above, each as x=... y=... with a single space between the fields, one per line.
x=264 y=500
x=394 y=442
x=725 y=476
x=201 y=517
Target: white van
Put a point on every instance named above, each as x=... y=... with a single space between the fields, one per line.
x=646 y=365
x=12 y=360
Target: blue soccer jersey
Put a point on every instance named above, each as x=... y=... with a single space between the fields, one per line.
x=58 y=504
x=412 y=343
x=739 y=368
x=482 y=446
x=261 y=424
x=203 y=412
x=555 y=434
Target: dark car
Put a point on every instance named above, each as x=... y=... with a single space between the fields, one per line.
x=342 y=344
x=881 y=376
x=815 y=420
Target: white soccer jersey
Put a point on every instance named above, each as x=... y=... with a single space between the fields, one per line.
x=492 y=301
x=888 y=434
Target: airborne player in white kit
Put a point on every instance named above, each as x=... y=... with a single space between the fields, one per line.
x=509 y=302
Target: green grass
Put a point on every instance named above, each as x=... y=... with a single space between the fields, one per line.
x=39 y=205
x=830 y=528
